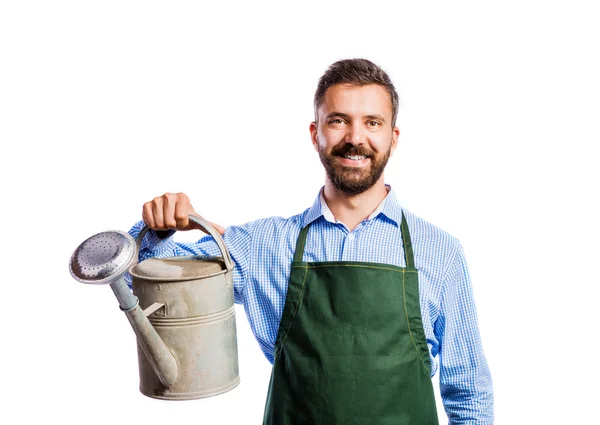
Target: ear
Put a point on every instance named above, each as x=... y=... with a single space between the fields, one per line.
x=395 y=135
x=313 y=135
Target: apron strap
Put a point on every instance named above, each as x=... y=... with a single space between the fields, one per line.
x=406 y=244
x=300 y=244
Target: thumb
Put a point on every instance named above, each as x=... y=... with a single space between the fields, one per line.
x=218 y=227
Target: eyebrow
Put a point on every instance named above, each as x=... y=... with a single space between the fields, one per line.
x=346 y=116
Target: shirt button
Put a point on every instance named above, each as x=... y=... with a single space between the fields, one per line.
x=351 y=236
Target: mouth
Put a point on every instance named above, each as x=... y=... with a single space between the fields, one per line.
x=354 y=157
x=353 y=160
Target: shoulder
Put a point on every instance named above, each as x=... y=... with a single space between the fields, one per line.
x=278 y=223
x=431 y=243
x=426 y=231
x=271 y=227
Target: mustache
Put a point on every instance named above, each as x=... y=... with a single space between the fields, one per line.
x=350 y=149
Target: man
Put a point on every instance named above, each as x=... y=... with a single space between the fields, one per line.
x=356 y=302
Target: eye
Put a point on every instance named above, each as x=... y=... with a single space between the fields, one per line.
x=373 y=123
x=336 y=121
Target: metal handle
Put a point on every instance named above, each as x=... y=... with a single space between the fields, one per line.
x=206 y=227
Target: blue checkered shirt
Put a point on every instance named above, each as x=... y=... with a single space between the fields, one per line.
x=263 y=250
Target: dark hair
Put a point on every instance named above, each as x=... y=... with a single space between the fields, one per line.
x=358 y=72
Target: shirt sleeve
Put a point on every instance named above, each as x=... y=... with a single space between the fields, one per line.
x=162 y=245
x=465 y=380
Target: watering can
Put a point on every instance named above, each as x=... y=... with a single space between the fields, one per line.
x=181 y=310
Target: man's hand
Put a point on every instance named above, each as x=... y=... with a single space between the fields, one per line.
x=171 y=211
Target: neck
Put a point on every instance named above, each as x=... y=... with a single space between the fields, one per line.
x=353 y=209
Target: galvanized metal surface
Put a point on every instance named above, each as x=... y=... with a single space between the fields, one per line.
x=178 y=268
x=187 y=346
x=153 y=349
x=103 y=258
x=126 y=299
x=196 y=322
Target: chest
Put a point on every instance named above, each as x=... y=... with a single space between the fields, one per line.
x=370 y=242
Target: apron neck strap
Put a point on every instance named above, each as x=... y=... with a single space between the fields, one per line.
x=409 y=258
x=406 y=244
x=300 y=244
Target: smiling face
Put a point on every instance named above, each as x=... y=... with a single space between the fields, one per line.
x=354 y=135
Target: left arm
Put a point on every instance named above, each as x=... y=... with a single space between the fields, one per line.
x=465 y=381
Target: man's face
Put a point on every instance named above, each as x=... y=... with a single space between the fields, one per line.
x=354 y=135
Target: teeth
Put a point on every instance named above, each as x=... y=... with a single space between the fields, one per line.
x=355 y=157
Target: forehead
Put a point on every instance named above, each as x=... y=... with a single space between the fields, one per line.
x=369 y=99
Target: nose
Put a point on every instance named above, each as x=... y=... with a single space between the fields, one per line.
x=355 y=134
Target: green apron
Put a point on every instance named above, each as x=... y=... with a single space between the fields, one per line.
x=351 y=347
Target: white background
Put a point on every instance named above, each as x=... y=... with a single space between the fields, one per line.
x=104 y=105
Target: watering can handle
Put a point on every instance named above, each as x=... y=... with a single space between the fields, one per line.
x=206 y=227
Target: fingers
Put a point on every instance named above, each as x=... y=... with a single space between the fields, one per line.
x=147 y=215
x=171 y=211
x=181 y=214
x=168 y=210
x=157 y=213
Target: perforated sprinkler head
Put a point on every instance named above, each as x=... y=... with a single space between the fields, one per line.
x=103 y=258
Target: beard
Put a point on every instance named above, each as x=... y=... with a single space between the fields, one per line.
x=353 y=180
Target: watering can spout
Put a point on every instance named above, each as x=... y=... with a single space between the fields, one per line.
x=161 y=360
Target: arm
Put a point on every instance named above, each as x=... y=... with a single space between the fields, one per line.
x=465 y=381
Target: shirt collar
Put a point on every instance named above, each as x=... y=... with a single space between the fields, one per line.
x=389 y=207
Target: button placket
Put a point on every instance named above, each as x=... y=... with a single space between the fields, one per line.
x=348 y=250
